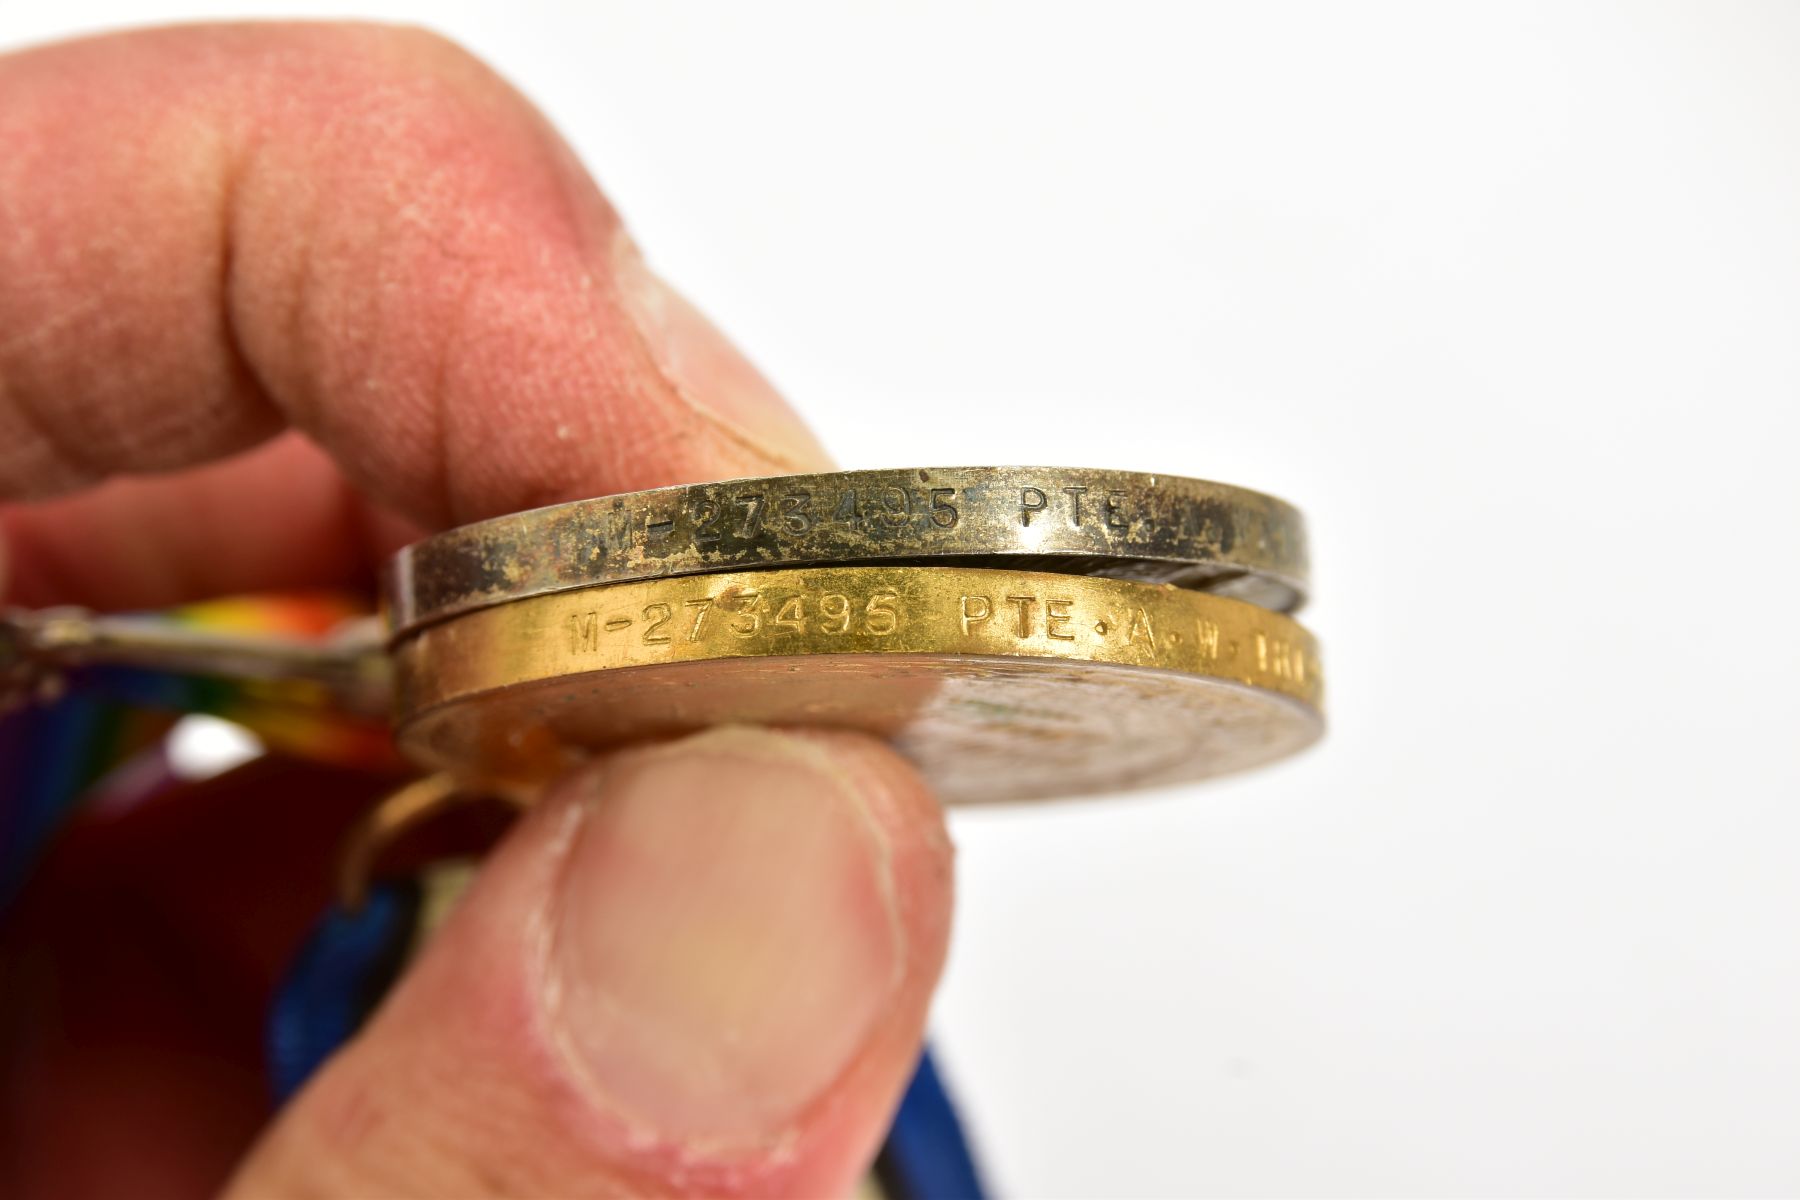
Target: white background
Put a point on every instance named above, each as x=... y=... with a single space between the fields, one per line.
x=1508 y=300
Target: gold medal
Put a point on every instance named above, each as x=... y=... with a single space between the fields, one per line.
x=999 y=684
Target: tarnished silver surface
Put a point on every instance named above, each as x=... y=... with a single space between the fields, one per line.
x=1121 y=524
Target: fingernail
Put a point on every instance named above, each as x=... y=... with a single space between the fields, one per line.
x=727 y=935
x=707 y=374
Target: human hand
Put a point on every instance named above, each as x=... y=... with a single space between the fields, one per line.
x=697 y=967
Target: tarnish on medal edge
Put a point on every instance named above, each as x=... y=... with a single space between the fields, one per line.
x=1107 y=522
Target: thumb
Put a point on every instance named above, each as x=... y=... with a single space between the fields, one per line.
x=700 y=967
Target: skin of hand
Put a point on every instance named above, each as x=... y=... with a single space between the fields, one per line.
x=273 y=298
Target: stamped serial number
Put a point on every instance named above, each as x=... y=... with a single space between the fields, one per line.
x=739 y=612
x=748 y=516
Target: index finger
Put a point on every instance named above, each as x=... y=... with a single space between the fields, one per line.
x=360 y=232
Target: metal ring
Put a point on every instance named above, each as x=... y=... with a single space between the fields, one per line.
x=395 y=814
